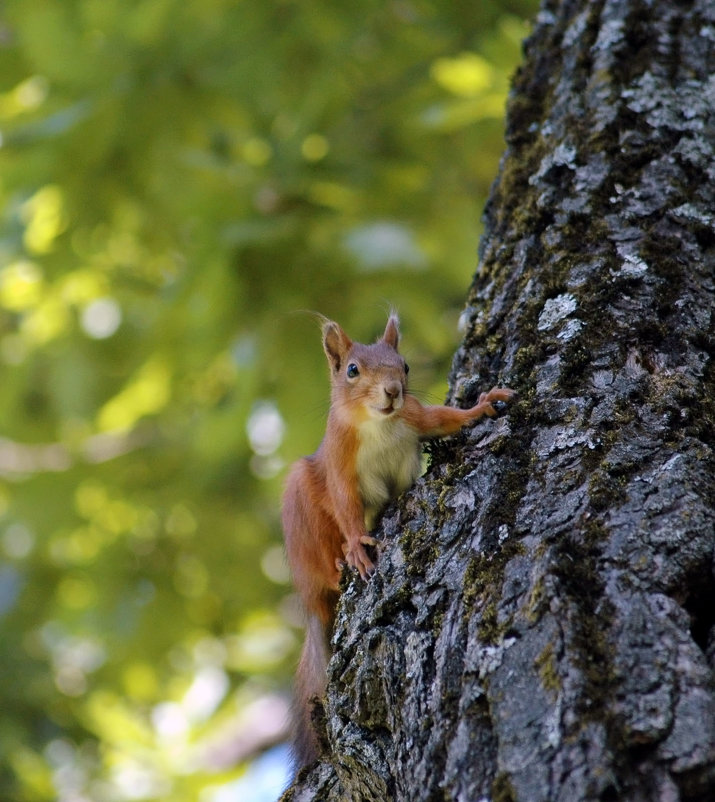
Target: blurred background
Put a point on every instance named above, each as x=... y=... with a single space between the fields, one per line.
x=179 y=180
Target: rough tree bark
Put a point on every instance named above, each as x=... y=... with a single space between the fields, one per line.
x=542 y=624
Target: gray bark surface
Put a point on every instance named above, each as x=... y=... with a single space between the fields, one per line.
x=542 y=623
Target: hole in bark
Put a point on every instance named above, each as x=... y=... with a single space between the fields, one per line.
x=696 y=786
x=609 y=794
x=704 y=796
x=700 y=606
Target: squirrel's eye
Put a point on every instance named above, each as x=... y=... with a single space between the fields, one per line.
x=352 y=371
x=407 y=368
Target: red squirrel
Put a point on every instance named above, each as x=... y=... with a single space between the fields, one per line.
x=369 y=455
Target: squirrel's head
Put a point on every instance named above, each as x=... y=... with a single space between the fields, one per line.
x=368 y=381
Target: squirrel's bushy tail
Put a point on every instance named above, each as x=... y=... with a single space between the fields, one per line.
x=310 y=681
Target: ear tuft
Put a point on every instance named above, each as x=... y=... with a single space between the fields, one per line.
x=392 y=331
x=336 y=344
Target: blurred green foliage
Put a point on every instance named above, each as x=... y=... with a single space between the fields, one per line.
x=177 y=179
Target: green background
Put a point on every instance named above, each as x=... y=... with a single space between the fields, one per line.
x=179 y=181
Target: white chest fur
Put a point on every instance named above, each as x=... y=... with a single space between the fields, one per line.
x=388 y=462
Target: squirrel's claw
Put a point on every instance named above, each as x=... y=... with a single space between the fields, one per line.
x=356 y=556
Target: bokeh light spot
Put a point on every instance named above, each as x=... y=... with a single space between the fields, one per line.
x=101 y=318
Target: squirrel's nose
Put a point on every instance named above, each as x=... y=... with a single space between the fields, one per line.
x=392 y=390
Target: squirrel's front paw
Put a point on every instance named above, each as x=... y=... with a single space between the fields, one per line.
x=497 y=394
x=356 y=556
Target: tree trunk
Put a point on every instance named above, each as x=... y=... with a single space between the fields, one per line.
x=541 y=626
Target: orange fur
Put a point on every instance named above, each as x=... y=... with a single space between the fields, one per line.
x=369 y=455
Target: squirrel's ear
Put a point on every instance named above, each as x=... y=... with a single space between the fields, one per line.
x=336 y=344
x=392 y=331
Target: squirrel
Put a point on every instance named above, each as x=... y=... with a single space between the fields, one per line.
x=369 y=455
